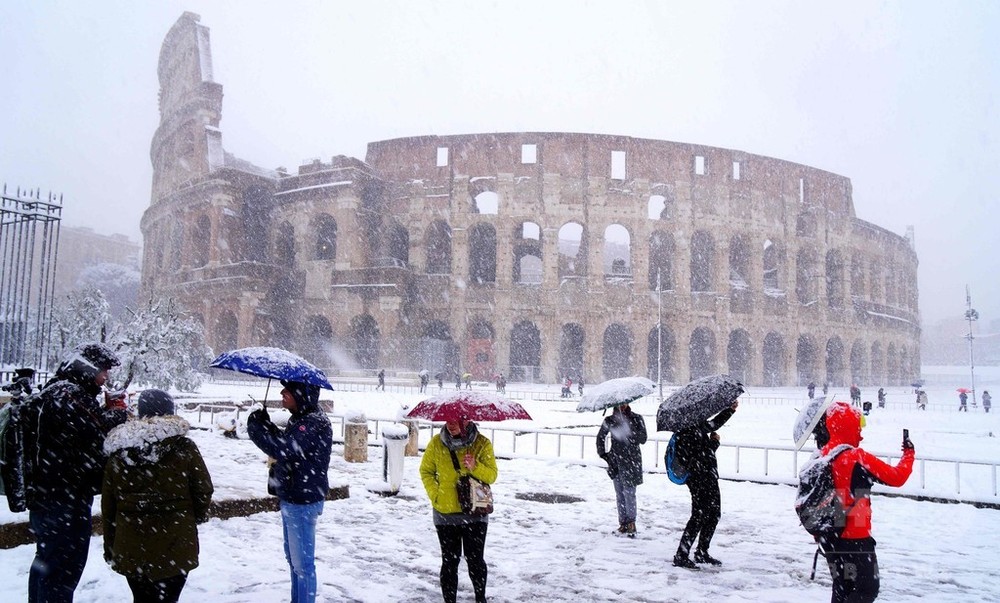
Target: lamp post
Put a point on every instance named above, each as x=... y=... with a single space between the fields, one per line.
x=970 y=316
x=659 y=334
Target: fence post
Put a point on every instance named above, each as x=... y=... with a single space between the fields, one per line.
x=356 y=439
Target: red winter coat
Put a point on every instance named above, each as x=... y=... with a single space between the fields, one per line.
x=855 y=470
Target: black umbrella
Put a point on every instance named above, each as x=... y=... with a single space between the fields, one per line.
x=697 y=401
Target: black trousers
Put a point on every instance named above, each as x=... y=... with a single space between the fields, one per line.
x=854 y=569
x=472 y=538
x=706 y=509
x=167 y=590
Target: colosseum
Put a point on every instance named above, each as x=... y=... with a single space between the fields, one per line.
x=538 y=255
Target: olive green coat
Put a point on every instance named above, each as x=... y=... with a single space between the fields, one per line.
x=156 y=489
x=437 y=471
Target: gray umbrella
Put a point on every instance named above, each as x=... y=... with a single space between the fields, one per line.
x=697 y=401
x=808 y=418
x=615 y=392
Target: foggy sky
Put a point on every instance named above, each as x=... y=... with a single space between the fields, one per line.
x=902 y=98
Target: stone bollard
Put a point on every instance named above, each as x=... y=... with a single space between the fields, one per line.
x=355 y=438
x=412 y=443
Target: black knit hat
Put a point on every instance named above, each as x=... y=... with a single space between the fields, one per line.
x=155 y=403
x=99 y=355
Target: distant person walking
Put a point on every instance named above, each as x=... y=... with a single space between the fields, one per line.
x=987 y=401
x=811 y=390
x=963 y=400
x=381 y=380
x=881 y=397
x=921 y=399
x=855 y=395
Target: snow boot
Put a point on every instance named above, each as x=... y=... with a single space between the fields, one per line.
x=682 y=561
x=630 y=529
x=704 y=557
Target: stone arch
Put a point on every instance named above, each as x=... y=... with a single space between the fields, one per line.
x=661 y=260
x=617 y=251
x=662 y=349
x=486 y=203
x=278 y=304
x=834 y=361
x=805 y=359
x=525 y=352
x=859 y=363
x=482 y=254
x=572 y=247
x=773 y=258
x=324 y=235
x=834 y=278
x=572 y=338
x=702 y=262
x=365 y=341
x=527 y=264
x=438 y=244
x=701 y=352
x=201 y=241
x=397 y=245
x=617 y=351
x=806 y=275
x=226 y=332
x=438 y=349
x=317 y=339
x=661 y=204
x=284 y=245
x=480 y=359
x=878 y=364
x=739 y=262
x=857 y=276
x=892 y=364
x=774 y=360
x=739 y=355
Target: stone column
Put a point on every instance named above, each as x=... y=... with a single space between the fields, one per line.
x=356 y=439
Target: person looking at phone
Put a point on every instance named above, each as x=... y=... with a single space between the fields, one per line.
x=851 y=555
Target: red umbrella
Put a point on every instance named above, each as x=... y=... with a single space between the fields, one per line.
x=963 y=390
x=472 y=405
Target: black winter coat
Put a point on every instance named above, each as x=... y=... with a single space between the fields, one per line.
x=301 y=452
x=696 y=448
x=624 y=458
x=71 y=432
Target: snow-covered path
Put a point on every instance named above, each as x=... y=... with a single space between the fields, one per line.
x=374 y=549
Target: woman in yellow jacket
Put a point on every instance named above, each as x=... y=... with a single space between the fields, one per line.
x=461 y=444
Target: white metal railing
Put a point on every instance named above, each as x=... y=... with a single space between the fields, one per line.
x=948 y=478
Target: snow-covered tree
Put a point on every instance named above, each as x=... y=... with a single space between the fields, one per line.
x=119 y=284
x=160 y=346
x=83 y=316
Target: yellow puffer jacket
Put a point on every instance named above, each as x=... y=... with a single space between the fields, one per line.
x=439 y=475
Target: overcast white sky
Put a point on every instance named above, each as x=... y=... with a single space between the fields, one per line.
x=902 y=98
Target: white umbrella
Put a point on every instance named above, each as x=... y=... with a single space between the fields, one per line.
x=615 y=392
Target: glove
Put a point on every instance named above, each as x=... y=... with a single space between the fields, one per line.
x=907 y=444
x=259 y=415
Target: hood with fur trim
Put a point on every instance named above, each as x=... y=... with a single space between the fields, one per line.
x=141 y=439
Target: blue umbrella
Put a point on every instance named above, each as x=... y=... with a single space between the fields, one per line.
x=272 y=363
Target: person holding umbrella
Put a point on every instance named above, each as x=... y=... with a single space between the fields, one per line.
x=459 y=449
x=696 y=446
x=624 y=459
x=298 y=476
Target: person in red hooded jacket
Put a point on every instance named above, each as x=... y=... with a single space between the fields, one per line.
x=851 y=556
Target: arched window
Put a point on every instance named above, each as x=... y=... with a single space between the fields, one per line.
x=525 y=352
x=398 y=246
x=617 y=351
x=438 y=241
x=571 y=342
x=702 y=262
x=661 y=260
x=701 y=351
x=665 y=355
x=774 y=360
x=617 y=251
x=527 y=265
x=324 y=229
x=486 y=202
x=482 y=254
x=572 y=251
x=739 y=354
x=284 y=245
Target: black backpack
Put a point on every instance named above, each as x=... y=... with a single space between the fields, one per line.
x=19 y=450
x=820 y=510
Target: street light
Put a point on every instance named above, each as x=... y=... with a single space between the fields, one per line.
x=971 y=315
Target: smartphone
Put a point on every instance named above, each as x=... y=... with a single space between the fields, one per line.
x=906 y=435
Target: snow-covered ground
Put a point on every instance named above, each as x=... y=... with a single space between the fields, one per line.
x=374 y=549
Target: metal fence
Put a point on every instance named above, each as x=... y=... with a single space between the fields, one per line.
x=944 y=478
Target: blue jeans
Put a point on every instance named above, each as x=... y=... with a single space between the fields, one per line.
x=299 y=525
x=625 y=495
x=62 y=542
